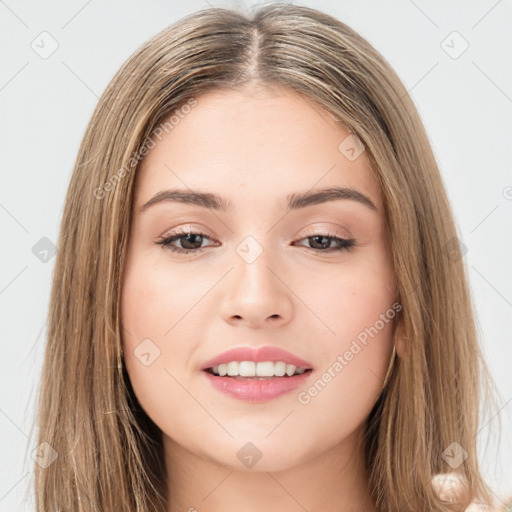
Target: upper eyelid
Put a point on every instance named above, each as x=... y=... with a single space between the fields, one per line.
x=312 y=232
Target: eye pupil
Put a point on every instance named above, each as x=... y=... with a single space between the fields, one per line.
x=188 y=238
x=321 y=237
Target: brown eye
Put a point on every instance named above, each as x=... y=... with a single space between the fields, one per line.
x=189 y=241
x=322 y=243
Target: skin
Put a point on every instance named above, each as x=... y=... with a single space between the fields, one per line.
x=254 y=147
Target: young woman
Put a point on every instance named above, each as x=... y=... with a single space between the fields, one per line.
x=259 y=302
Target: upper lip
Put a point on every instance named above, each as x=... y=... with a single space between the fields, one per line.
x=260 y=354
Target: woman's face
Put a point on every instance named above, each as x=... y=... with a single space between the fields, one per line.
x=272 y=262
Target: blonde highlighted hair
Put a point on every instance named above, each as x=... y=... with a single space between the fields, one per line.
x=109 y=452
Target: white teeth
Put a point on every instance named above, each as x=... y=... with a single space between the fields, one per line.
x=232 y=368
x=290 y=369
x=253 y=369
x=247 y=369
x=279 y=368
x=263 y=369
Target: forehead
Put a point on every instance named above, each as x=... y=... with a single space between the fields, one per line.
x=272 y=142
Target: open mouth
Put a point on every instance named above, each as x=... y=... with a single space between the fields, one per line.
x=249 y=370
x=257 y=382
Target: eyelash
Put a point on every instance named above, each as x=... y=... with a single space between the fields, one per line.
x=345 y=244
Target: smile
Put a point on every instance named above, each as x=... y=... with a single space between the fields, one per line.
x=248 y=369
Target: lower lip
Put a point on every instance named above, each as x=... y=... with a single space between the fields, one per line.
x=254 y=390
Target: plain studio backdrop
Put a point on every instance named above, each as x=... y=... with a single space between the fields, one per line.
x=56 y=60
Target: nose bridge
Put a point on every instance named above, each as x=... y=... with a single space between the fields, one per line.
x=252 y=273
x=255 y=290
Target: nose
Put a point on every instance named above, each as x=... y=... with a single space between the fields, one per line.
x=256 y=294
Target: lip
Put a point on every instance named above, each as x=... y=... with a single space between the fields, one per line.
x=260 y=354
x=256 y=390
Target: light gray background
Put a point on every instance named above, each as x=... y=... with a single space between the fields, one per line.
x=465 y=103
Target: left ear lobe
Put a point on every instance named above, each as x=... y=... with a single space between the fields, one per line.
x=400 y=341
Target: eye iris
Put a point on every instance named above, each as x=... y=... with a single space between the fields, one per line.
x=191 y=236
x=326 y=240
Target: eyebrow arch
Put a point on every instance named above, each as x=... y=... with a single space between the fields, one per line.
x=295 y=200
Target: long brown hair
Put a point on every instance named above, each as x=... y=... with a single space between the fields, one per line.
x=108 y=451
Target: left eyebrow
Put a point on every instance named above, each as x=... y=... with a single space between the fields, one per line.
x=304 y=199
x=295 y=201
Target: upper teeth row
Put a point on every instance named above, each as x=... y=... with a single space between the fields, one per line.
x=253 y=369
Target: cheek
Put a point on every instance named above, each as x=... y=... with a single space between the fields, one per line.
x=354 y=362
x=353 y=308
x=353 y=299
x=150 y=308
x=156 y=300
x=360 y=326
x=359 y=309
